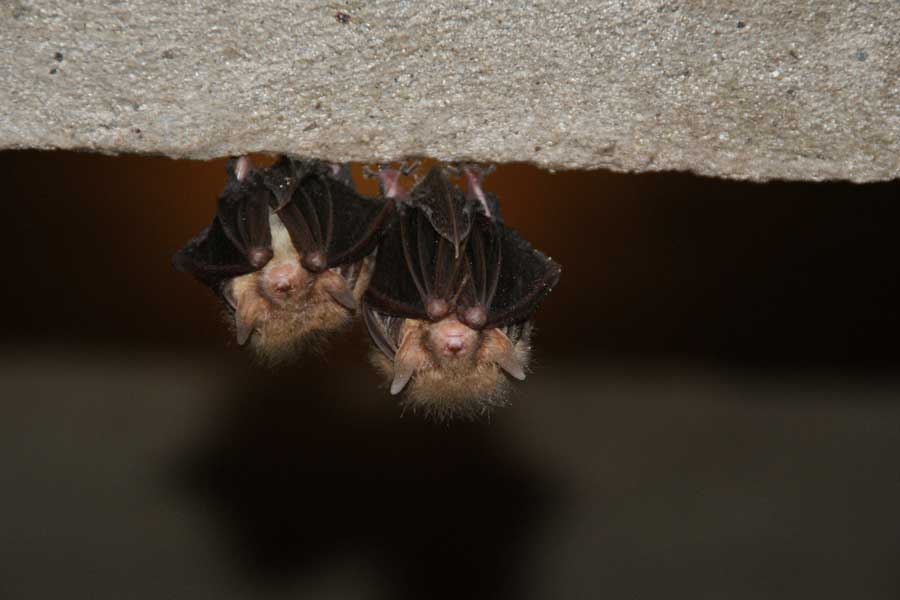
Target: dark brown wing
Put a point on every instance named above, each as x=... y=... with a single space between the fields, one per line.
x=212 y=258
x=244 y=216
x=329 y=223
x=507 y=277
x=497 y=279
x=445 y=206
x=238 y=241
x=417 y=274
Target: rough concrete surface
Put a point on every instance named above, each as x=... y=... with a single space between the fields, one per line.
x=757 y=89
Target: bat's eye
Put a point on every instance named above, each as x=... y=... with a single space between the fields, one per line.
x=229 y=295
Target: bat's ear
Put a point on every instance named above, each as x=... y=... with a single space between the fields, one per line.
x=248 y=315
x=504 y=354
x=406 y=362
x=337 y=288
x=249 y=310
x=229 y=296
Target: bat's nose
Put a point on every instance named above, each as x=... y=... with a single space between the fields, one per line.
x=285 y=277
x=453 y=339
x=455 y=345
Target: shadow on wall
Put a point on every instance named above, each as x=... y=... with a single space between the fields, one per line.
x=301 y=481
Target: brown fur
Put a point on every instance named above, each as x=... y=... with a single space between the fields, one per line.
x=444 y=389
x=288 y=327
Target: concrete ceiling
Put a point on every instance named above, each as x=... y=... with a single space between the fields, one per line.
x=757 y=89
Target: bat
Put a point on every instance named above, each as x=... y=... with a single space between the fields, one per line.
x=450 y=301
x=288 y=252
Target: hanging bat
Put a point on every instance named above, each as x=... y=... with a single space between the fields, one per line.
x=288 y=252
x=450 y=302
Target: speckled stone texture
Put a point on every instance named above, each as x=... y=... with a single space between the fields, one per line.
x=757 y=89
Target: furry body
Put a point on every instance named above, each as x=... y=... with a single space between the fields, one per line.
x=446 y=385
x=286 y=307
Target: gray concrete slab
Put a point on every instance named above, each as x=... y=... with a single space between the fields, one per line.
x=804 y=90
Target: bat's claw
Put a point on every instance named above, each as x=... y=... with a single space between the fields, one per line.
x=389 y=178
x=474 y=175
x=405 y=168
x=408 y=168
x=340 y=172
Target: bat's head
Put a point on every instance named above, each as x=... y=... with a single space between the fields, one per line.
x=284 y=308
x=448 y=369
x=288 y=251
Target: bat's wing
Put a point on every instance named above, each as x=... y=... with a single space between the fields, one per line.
x=507 y=277
x=445 y=206
x=417 y=274
x=329 y=223
x=211 y=257
x=491 y=277
x=244 y=216
x=239 y=239
x=421 y=261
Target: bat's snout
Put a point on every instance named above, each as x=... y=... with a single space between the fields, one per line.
x=455 y=345
x=453 y=339
x=285 y=277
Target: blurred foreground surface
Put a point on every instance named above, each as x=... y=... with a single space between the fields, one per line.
x=714 y=412
x=144 y=477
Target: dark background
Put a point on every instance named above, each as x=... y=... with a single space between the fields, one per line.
x=714 y=409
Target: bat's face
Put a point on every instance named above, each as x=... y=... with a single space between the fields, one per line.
x=288 y=251
x=284 y=307
x=448 y=369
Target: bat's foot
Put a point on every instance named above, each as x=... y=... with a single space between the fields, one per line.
x=389 y=178
x=474 y=176
x=239 y=167
x=242 y=167
x=340 y=172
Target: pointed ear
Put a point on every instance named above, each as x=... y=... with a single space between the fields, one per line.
x=504 y=354
x=407 y=361
x=338 y=289
x=229 y=294
x=247 y=316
